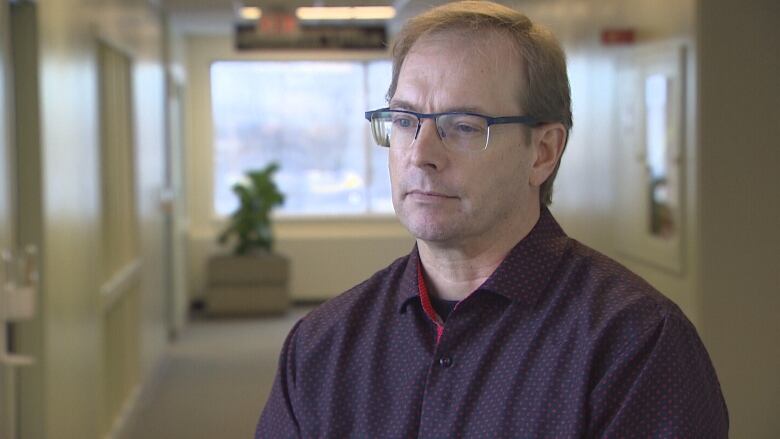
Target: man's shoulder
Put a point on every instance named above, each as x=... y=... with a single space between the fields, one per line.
x=599 y=276
x=615 y=301
x=362 y=301
x=641 y=349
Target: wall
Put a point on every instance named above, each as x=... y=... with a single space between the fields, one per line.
x=149 y=115
x=328 y=255
x=176 y=80
x=739 y=67
x=62 y=395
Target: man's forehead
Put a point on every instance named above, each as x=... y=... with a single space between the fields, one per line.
x=463 y=32
x=478 y=66
x=476 y=43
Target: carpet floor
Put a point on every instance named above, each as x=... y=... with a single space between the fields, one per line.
x=213 y=380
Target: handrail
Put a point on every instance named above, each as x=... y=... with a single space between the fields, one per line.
x=124 y=278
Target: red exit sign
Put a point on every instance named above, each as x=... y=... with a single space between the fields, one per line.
x=278 y=23
x=610 y=37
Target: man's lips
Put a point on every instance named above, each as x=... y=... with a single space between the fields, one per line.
x=428 y=194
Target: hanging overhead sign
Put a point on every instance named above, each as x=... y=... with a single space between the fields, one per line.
x=282 y=35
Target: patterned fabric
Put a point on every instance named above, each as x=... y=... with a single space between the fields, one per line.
x=442 y=307
x=560 y=342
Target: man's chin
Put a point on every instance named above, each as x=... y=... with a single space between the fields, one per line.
x=430 y=231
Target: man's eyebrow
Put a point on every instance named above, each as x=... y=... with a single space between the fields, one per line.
x=401 y=105
x=404 y=105
x=466 y=109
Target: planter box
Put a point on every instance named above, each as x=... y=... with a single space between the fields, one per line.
x=247 y=285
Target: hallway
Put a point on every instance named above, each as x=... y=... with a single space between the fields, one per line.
x=122 y=134
x=213 y=380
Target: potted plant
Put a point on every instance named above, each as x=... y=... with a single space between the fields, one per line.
x=253 y=279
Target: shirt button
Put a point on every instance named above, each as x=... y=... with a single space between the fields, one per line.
x=445 y=362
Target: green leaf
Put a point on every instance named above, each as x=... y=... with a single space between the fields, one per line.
x=250 y=223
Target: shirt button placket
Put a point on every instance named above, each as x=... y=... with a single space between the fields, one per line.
x=445 y=361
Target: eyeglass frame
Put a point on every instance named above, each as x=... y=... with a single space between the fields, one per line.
x=500 y=120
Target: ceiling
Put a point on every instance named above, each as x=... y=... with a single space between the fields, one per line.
x=177 y=5
x=218 y=16
x=569 y=19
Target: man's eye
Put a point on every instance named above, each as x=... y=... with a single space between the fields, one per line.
x=403 y=121
x=466 y=129
x=463 y=125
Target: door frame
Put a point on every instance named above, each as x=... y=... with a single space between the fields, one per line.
x=7 y=222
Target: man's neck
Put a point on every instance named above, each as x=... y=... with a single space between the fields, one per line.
x=452 y=272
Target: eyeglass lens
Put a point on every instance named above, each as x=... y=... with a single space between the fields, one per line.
x=458 y=131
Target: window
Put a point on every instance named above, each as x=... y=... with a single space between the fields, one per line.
x=308 y=117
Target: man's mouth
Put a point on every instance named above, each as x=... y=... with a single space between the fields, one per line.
x=428 y=194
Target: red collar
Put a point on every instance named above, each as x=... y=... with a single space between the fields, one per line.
x=425 y=299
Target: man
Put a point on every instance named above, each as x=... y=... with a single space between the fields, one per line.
x=497 y=324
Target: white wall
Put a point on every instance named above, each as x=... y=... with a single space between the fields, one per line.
x=328 y=255
x=63 y=395
x=176 y=79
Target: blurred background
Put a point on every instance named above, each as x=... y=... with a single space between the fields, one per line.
x=124 y=125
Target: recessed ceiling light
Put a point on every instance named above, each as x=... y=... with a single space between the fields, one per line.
x=250 y=13
x=345 y=13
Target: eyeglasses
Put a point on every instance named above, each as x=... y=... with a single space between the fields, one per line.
x=458 y=130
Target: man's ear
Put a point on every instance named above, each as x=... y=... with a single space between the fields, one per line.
x=548 y=141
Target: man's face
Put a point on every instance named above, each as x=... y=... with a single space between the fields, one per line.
x=451 y=197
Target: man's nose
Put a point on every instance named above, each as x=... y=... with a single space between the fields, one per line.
x=428 y=150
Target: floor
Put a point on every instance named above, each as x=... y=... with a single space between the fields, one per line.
x=213 y=381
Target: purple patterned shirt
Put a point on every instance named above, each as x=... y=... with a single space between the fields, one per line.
x=560 y=342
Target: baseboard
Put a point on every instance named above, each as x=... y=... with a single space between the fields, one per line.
x=124 y=414
x=140 y=393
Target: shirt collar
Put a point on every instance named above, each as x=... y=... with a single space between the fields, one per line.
x=409 y=287
x=522 y=276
